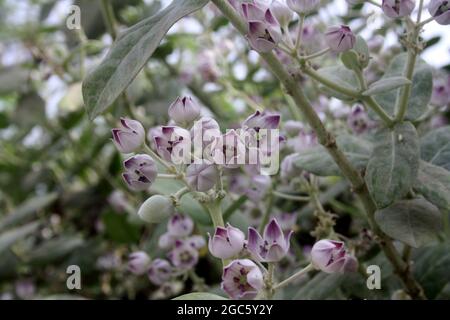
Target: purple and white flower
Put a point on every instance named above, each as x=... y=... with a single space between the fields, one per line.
x=273 y=246
x=141 y=172
x=226 y=242
x=331 y=257
x=184 y=110
x=130 y=136
x=340 y=38
x=398 y=8
x=160 y=271
x=264 y=32
x=138 y=262
x=440 y=10
x=172 y=143
x=242 y=279
x=180 y=225
x=184 y=255
x=202 y=177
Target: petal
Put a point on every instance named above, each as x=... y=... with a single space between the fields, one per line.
x=273 y=232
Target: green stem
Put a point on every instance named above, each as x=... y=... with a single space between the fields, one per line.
x=295 y=276
x=315 y=55
x=329 y=83
x=289 y=196
x=329 y=142
x=108 y=16
x=371 y=103
x=267 y=212
x=299 y=32
x=402 y=99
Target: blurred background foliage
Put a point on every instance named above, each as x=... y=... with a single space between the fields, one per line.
x=59 y=170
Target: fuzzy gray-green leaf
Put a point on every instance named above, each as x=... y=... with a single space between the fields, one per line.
x=433 y=183
x=129 y=54
x=435 y=147
x=386 y=85
x=415 y=222
x=394 y=164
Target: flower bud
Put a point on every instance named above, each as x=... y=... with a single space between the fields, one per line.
x=183 y=256
x=156 y=208
x=172 y=143
x=331 y=257
x=440 y=10
x=398 y=8
x=184 y=110
x=242 y=279
x=226 y=242
x=196 y=241
x=358 y=120
x=130 y=136
x=340 y=38
x=202 y=177
x=141 y=172
x=273 y=246
x=282 y=13
x=262 y=120
x=160 y=271
x=441 y=92
x=166 y=241
x=264 y=31
x=180 y=226
x=138 y=262
x=303 y=6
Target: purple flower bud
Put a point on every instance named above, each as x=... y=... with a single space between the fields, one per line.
x=156 y=208
x=398 y=8
x=25 y=289
x=273 y=246
x=440 y=10
x=196 y=241
x=160 y=271
x=202 y=177
x=172 y=143
x=242 y=279
x=358 y=120
x=226 y=242
x=228 y=150
x=141 y=172
x=340 y=38
x=183 y=256
x=264 y=31
x=303 y=6
x=130 y=136
x=262 y=120
x=204 y=132
x=180 y=226
x=184 y=110
x=282 y=13
x=166 y=241
x=258 y=187
x=441 y=92
x=138 y=262
x=331 y=257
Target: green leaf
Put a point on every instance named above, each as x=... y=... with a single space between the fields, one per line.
x=422 y=85
x=10 y=237
x=394 y=164
x=414 y=222
x=433 y=183
x=435 y=147
x=385 y=85
x=339 y=74
x=53 y=250
x=129 y=54
x=362 y=49
x=119 y=229
x=431 y=268
x=27 y=209
x=322 y=286
x=317 y=160
x=350 y=60
x=199 y=296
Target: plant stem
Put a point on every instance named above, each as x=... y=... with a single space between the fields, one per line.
x=374 y=3
x=299 y=32
x=267 y=212
x=375 y=106
x=295 y=276
x=108 y=16
x=329 y=142
x=331 y=84
x=269 y=290
x=315 y=55
x=289 y=196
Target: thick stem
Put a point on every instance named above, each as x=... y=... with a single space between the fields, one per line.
x=329 y=142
